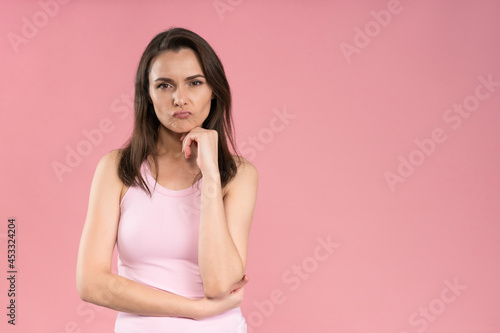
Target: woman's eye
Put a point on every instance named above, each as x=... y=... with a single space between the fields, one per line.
x=196 y=83
x=163 y=85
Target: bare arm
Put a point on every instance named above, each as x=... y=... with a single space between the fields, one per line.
x=224 y=229
x=95 y=282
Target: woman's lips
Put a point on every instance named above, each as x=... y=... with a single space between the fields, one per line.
x=181 y=114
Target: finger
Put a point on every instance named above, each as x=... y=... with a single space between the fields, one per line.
x=244 y=280
x=240 y=284
x=242 y=287
x=237 y=290
x=186 y=147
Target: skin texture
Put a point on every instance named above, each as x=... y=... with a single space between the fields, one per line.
x=185 y=148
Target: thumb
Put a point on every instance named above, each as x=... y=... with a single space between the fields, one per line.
x=240 y=283
x=243 y=281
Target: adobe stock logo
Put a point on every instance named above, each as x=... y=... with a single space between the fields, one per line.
x=455 y=116
x=40 y=19
x=277 y=124
x=223 y=6
x=373 y=28
x=121 y=107
x=294 y=278
x=425 y=315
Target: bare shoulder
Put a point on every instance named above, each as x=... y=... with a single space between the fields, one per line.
x=111 y=158
x=108 y=164
x=245 y=167
x=246 y=176
x=107 y=171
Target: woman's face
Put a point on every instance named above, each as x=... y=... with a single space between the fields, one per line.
x=177 y=83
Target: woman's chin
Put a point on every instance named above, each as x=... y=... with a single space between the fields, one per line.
x=177 y=129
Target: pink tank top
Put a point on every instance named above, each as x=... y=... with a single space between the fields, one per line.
x=157 y=246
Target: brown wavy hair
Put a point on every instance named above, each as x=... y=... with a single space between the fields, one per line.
x=143 y=140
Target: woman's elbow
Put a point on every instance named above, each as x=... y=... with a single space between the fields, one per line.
x=217 y=291
x=87 y=286
x=83 y=288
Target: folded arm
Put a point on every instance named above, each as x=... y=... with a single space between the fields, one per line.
x=95 y=282
x=225 y=223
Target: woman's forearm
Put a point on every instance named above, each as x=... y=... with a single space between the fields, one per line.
x=218 y=258
x=119 y=293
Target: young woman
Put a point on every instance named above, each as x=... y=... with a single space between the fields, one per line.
x=175 y=201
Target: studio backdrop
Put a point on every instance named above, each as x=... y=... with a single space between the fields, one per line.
x=374 y=126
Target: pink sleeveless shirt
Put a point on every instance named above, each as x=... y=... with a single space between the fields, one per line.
x=158 y=246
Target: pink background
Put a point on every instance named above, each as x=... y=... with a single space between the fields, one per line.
x=353 y=118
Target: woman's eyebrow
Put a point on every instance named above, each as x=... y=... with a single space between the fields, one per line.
x=186 y=79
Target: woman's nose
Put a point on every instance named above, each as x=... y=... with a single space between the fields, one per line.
x=179 y=97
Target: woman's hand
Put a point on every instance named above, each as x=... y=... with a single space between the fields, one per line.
x=209 y=307
x=206 y=142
